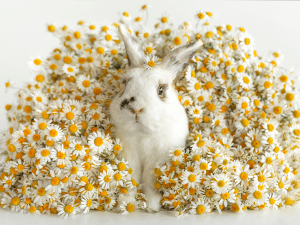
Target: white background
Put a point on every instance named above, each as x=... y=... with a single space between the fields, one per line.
x=23 y=33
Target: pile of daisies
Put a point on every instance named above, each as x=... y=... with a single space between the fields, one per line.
x=59 y=153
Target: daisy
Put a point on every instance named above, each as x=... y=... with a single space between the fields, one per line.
x=277 y=108
x=200 y=207
x=36 y=63
x=268 y=160
x=150 y=61
x=127 y=207
x=106 y=38
x=70 y=70
x=243 y=105
x=43 y=154
x=194 y=86
x=60 y=155
x=87 y=203
x=220 y=183
x=106 y=178
x=67 y=208
x=87 y=189
x=74 y=170
x=246 y=41
x=273 y=201
x=282 y=185
x=257 y=197
x=98 y=141
x=253 y=140
x=245 y=80
x=243 y=176
x=213 y=64
x=176 y=154
x=295 y=130
x=270 y=126
x=92 y=59
x=12 y=200
x=56 y=184
x=190 y=178
x=243 y=124
x=225 y=198
x=74 y=129
x=40 y=194
x=54 y=132
x=85 y=82
x=109 y=202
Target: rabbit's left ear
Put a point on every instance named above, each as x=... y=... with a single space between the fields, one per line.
x=177 y=60
x=134 y=53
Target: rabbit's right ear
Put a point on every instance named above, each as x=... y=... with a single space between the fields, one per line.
x=135 y=55
x=176 y=60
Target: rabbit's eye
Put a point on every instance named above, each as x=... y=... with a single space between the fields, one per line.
x=161 y=91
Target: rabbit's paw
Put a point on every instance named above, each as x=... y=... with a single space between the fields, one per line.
x=153 y=202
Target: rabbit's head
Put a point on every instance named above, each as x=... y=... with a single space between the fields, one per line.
x=148 y=102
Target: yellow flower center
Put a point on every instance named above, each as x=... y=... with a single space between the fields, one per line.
x=269 y=160
x=55 y=181
x=177 y=40
x=261 y=178
x=151 y=63
x=247 y=41
x=192 y=178
x=86 y=83
x=221 y=183
x=89 y=187
x=289 y=97
x=240 y=68
x=245 y=122
x=108 y=37
x=272 y=201
x=39 y=78
x=197 y=86
x=130 y=207
x=225 y=195
x=257 y=195
x=296 y=132
x=67 y=60
x=121 y=166
x=41 y=192
x=277 y=110
x=107 y=178
x=209 y=34
x=244 y=176
x=283 y=78
x=53 y=133
x=117 y=176
x=244 y=105
x=211 y=107
x=37 y=62
x=164 y=19
x=209 y=85
x=203 y=166
x=255 y=143
x=98 y=141
x=77 y=34
x=200 y=209
x=74 y=170
x=45 y=153
x=68 y=209
x=15 y=201
x=73 y=128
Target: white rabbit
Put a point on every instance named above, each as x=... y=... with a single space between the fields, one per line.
x=147 y=114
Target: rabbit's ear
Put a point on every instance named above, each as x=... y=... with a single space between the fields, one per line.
x=135 y=55
x=176 y=60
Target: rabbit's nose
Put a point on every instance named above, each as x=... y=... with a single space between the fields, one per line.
x=136 y=111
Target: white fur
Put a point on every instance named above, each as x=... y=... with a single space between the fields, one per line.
x=161 y=126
